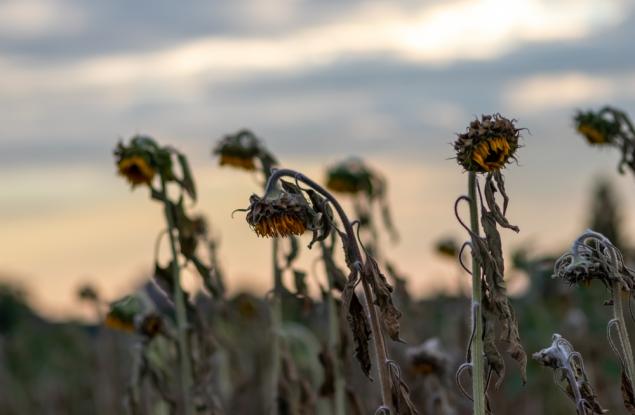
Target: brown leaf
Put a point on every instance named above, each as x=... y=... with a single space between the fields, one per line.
x=383 y=299
x=360 y=327
x=490 y=199
x=627 y=393
x=496 y=304
x=401 y=396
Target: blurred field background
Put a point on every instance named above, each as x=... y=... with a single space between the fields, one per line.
x=391 y=83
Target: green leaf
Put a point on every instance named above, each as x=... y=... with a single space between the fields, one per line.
x=188 y=180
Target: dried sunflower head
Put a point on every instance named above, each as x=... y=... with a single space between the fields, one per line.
x=277 y=216
x=488 y=144
x=131 y=314
x=241 y=150
x=122 y=313
x=429 y=358
x=447 y=247
x=595 y=128
x=352 y=176
x=593 y=256
x=141 y=159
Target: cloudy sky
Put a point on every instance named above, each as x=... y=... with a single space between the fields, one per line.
x=389 y=81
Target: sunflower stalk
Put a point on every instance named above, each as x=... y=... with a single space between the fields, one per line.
x=339 y=382
x=381 y=357
x=622 y=334
x=179 y=304
x=477 y=365
x=276 y=325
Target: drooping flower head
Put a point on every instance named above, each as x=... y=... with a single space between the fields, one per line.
x=283 y=215
x=447 y=247
x=368 y=187
x=569 y=374
x=287 y=212
x=242 y=150
x=131 y=314
x=141 y=160
x=593 y=256
x=353 y=176
x=488 y=144
x=596 y=128
x=429 y=358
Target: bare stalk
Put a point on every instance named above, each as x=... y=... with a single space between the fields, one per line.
x=381 y=358
x=179 y=304
x=333 y=345
x=478 y=372
x=276 y=326
x=622 y=334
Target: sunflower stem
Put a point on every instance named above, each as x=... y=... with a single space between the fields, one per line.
x=381 y=356
x=276 y=326
x=478 y=372
x=622 y=334
x=339 y=404
x=179 y=304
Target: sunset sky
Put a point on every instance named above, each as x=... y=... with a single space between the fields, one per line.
x=391 y=82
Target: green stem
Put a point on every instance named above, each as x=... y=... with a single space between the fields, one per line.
x=333 y=344
x=179 y=304
x=625 y=344
x=276 y=326
x=478 y=372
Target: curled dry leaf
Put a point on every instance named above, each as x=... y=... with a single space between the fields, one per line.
x=382 y=290
x=570 y=375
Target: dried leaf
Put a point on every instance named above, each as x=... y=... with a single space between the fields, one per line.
x=490 y=199
x=188 y=180
x=627 y=393
x=382 y=291
x=569 y=374
x=401 y=397
x=495 y=301
x=358 y=322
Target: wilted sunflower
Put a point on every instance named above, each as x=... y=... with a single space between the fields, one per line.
x=488 y=144
x=429 y=358
x=130 y=314
x=283 y=215
x=136 y=169
x=593 y=256
x=141 y=160
x=351 y=176
x=596 y=128
x=241 y=150
x=447 y=247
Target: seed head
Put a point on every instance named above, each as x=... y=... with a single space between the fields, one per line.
x=488 y=144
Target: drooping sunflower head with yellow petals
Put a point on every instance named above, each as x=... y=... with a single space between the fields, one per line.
x=488 y=144
x=242 y=150
x=283 y=215
x=597 y=130
x=140 y=160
